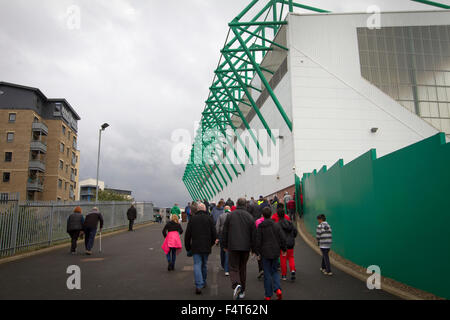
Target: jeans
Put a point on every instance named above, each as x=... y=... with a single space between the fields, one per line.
x=224 y=260
x=89 y=238
x=200 y=269
x=172 y=256
x=271 y=276
x=74 y=235
x=326 y=259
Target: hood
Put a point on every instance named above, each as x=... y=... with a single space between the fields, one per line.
x=266 y=223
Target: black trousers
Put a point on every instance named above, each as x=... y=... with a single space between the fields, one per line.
x=238 y=268
x=131 y=225
x=74 y=235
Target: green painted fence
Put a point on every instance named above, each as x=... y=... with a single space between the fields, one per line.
x=393 y=212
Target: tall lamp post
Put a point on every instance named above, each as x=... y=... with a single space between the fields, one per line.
x=103 y=128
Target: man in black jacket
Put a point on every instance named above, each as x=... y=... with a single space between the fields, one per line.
x=270 y=240
x=239 y=233
x=132 y=216
x=200 y=236
x=90 y=228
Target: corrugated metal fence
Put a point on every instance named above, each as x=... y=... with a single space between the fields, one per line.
x=27 y=226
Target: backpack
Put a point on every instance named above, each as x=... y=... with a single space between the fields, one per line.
x=289 y=231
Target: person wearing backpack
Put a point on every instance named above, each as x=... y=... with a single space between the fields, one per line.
x=270 y=241
x=290 y=233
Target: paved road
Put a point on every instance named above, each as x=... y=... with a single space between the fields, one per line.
x=133 y=266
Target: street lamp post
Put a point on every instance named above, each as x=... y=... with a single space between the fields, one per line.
x=103 y=128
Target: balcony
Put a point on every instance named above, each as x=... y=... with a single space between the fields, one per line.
x=36 y=185
x=87 y=193
x=37 y=165
x=38 y=145
x=40 y=127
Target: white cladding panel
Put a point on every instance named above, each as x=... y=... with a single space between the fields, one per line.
x=334 y=107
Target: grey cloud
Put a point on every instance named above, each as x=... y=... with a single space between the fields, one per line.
x=143 y=66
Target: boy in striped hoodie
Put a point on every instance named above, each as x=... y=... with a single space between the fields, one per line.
x=324 y=239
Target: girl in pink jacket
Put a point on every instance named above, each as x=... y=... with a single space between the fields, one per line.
x=172 y=244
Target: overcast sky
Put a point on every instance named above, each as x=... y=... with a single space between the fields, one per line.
x=143 y=66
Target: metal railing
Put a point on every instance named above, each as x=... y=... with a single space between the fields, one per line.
x=30 y=226
x=38 y=145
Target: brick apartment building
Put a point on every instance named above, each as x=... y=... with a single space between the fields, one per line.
x=38 y=145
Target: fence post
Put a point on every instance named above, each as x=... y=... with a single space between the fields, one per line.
x=113 y=215
x=15 y=225
x=50 y=226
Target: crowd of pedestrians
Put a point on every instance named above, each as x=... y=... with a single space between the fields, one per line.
x=263 y=229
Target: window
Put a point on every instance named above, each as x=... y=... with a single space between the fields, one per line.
x=65 y=186
x=6 y=176
x=410 y=64
x=74 y=144
x=61 y=147
x=68 y=151
x=12 y=117
x=60 y=184
x=8 y=156
x=61 y=164
x=58 y=108
x=63 y=130
x=4 y=197
x=67 y=168
x=10 y=137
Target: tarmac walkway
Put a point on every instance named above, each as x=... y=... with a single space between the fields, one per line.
x=132 y=266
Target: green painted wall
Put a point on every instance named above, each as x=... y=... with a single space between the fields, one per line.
x=393 y=212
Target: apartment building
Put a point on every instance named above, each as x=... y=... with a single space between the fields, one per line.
x=38 y=145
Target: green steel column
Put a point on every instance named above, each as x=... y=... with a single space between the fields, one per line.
x=252 y=101
x=201 y=181
x=433 y=3
x=195 y=182
x=217 y=178
x=208 y=178
x=264 y=80
x=238 y=137
x=234 y=151
x=188 y=189
x=241 y=115
x=195 y=188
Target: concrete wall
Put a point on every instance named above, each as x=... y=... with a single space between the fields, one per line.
x=334 y=108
